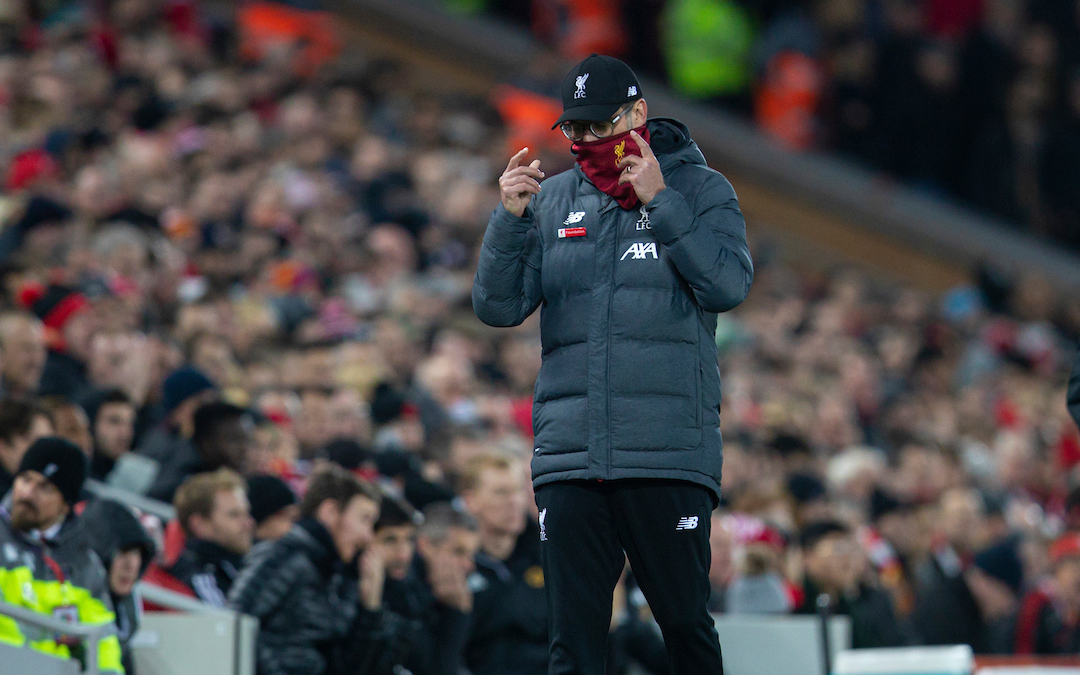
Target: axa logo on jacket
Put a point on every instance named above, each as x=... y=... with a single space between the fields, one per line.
x=641 y=251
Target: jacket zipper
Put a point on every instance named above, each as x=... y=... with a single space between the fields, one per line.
x=607 y=359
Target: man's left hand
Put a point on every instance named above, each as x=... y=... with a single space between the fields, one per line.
x=642 y=172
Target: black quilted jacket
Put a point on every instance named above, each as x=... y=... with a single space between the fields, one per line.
x=629 y=386
x=307 y=602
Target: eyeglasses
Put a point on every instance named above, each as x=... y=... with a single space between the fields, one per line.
x=575 y=131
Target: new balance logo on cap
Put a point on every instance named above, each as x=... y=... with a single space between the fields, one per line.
x=641 y=250
x=631 y=91
x=687 y=523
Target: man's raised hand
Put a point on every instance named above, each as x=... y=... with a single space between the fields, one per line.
x=519 y=183
x=643 y=173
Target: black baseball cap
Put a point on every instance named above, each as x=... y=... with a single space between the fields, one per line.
x=596 y=88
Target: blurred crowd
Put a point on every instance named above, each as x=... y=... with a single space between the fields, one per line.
x=236 y=262
x=975 y=100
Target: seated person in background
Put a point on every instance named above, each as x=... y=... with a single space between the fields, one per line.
x=318 y=612
x=70 y=422
x=510 y=617
x=835 y=566
x=435 y=589
x=217 y=428
x=47 y=484
x=223 y=434
x=273 y=506
x=21 y=423
x=1049 y=617
x=112 y=426
x=22 y=352
x=58 y=529
x=126 y=549
x=213 y=510
x=996 y=578
x=182 y=393
x=395 y=539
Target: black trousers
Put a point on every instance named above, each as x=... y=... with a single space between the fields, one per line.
x=663 y=527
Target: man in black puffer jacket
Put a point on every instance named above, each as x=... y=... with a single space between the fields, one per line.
x=631 y=255
x=317 y=615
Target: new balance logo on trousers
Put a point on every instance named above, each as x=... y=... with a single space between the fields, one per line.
x=687 y=523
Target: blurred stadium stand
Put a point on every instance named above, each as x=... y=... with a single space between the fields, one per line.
x=818 y=203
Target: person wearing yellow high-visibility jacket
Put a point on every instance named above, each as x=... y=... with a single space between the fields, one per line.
x=47 y=484
x=19 y=587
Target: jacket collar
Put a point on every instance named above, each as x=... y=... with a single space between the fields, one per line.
x=211 y=552
x=310 y=535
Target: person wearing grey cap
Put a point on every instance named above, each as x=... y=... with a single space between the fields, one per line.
x=631 y=254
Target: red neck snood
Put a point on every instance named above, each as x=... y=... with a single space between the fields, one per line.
x=599 y=161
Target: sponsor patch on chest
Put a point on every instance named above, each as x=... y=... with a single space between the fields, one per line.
x=640 y=250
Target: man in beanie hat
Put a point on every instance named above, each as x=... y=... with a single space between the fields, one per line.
x=39 y=533
x=274 y=507
x=47 y=486
x=632 y=254
x=184 y=390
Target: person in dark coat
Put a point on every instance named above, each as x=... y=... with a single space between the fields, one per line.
x=835 y=568
x=510 y=600
x=212 y=508
x=434 y=590
x=996 y=579
x=69 y=328
x=184 y=391
x=126 y=550
x=112 y=427
x=946 y=612
x=632 y=254
x=273 y=507
x=222 y=434
x=317 y=614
